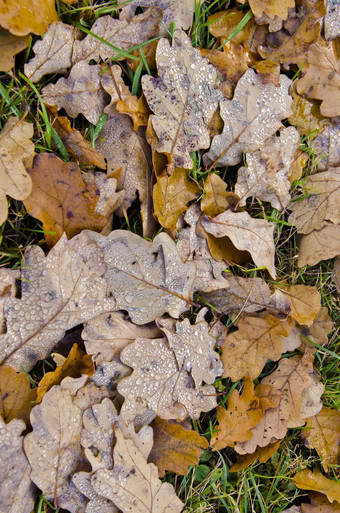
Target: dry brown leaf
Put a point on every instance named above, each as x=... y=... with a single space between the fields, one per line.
x=235 y=423
x=318 y=331
x=271 y=8
x=171 y=195
x=53 y=54
x=16 y=153
x=136 y=108
x=262 y=453
x=311 y=403
x=17 y=492
x=319 y=245
x=146 y=278
x=62 y=200
x=175 y=448
x=307 y=118
x=332 y=20
x=58 y=292
x=305 y=303
x=9 y=46
x=336 y=274
x=322 y=77
x=314 y=480
x=114 y=85
x=8 y=288
x=269 y=71
x=76 y=364
x=327 y=147
x=80 y=93
x=217 y=199
x=31 y=16
x=266 y=176
x=248 y=295
x=178 y=12
x=246 y=124
x=133 y=484
x=321 y=204
x=247 y=234
x=157 y=383
x=319 y=504
x=16 y=396
x=193 y=346
x=322 y=433
x=182 y=98
x=246 y=351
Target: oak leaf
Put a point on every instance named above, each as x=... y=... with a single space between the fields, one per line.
x=17 y=492
x=16 y=153
x=175 y=448
x=217 y=199
x=182 y=98
x=178 y=12
x=113 y=83
x=322 y=433
x=319 y=245
x=16 y=396
x=318 y=331
x=9 y=46
x=246 y=351
x=247 y=234
x=332 y=20
x=8 y=288
x=327 y=147
x=58 y=292
x=307 y=119
x=235 y=423
x=314 y=480
x=271 y=7
x=158 y=383
x=319 y=504
x=32 y=16
x=305 y=303
x=261 y=453
x=136 y=108
x=336 y=274
x=246 y=124
x=269 y=71
x=311 y=403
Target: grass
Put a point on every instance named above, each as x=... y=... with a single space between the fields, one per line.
x=209 y=486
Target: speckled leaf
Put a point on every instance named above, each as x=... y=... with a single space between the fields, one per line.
x=9 y=46
x=16 y=153
x=266 y=176
x=30 y=16
x=319 y=245
x=58 y=292
x=8 y=288
x=16 y=396
x=193 y=346
x=182 y=98
x=133 y=484
x=146 y=278
x=54 y=53
x=252 y=116
x=80 y=93
x=159 y=384
x=332 y=20
x=17 y=492
x=246 y=351
x=314 y=480
x=327 y=147
x=247 y=234
x=179 y=12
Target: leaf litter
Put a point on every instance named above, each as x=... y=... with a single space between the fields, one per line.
x=169 y=318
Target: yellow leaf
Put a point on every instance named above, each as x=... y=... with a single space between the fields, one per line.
x=9 y=46
x=305 y=303
x=308 y=480
x=27 y=16
x=16 y=395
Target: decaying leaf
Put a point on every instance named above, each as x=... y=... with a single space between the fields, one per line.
x=16 y=396
x=319 y=504
x=267 y=173
x=322 y=433
x=319 y=245
x=136 y=108
x=58 y=292
x=16 y=152
x=247 y=234
x=269 y=70
x=9 y=46
x=114 y=85
x=336 y=274
x=235 y=423
x=314 y=480
x=332 y=20
x=133 y=484
x=253 y=115
x=32 y=16
x=327 y=147
x=175 y=448
x=306 y=117
x=158 y=383
x=271 y=8
x=318 y=331
x=178 y=12
x=246 y=351
x=146 y=278
x=80 y=93
x=17 y=492
x=182 y=98
x=305 y=303
x=8 y=288
x=217 y=199
x=262 y=454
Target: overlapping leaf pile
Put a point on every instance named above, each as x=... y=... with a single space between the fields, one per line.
x=101 y=430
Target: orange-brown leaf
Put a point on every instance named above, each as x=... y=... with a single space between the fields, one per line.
x=308 y=480
x=9 y=46
x=16 y=395
x=136 y=108
x=305 y=303
x=27 y=16
x=262 y=453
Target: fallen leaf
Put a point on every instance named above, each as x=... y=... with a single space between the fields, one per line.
x=322 y=78
x=9 y=46
x=159 y=384
x=269 y=71
x=146 y=278
x=247 y=234
x=58 y=292
x=193 y=346
x=93 y=501
x=235 y=423
x=53 y=54
x=32 y=16
x=16 y=396
x=16 y=153
x=182 y=98
x=80 y=93
x=246 y=125
x=305 y=303
x=327 y=147
x=314 y=480
x=322 y=433
x=180 y=13
x=8 y=288
x=271 y=8
x=17 y=492
x=266 y=176
x=133 y=483
x=171 y=195
x=319 y=504
x=319 y=245
x=307 y=118
x=76 y=364
x=174 y=447
x=246 y=351
x=332 y=20
x=336 y=274
x=262 y=454
x=311 y=403
x=321 y=204
x=318 y=331
x=136 y=108
x=217 y=199
x=113 y=83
